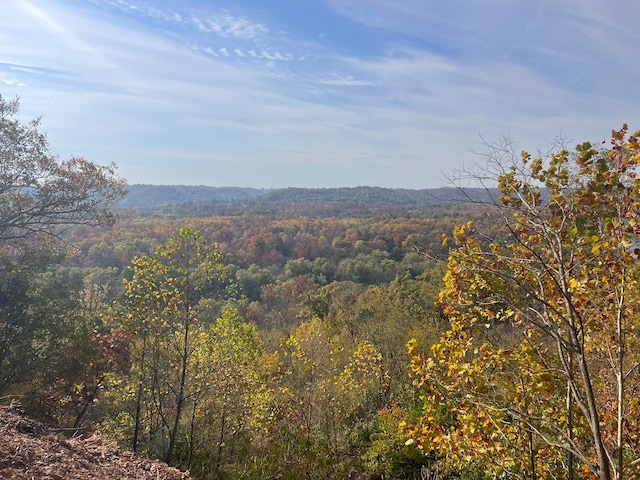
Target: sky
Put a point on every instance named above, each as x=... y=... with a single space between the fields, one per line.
x=316 y=93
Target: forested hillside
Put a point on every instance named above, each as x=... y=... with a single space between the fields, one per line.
x=154 y=196
x=214 y=200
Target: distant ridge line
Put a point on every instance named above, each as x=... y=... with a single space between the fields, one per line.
x=145 y=197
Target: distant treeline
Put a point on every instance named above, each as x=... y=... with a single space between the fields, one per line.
x=154 y=196
x=204 y=198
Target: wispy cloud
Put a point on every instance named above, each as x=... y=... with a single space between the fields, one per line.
x=12 y=82
x=347 y=81
x=221 y=22
x=226 y=25
x=19 y=68
x=199 y=24
x=557 y=39
x=209 y=51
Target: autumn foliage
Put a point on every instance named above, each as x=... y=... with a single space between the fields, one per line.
x=537 y=375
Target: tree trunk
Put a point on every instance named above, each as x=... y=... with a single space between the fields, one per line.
x=620 y=378
x=136 y=428
x=604 y=468
x=180 y=400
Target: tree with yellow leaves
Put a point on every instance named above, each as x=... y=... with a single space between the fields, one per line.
x=167 y=303
x=538 y=374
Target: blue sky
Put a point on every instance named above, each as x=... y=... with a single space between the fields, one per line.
x=316 y=93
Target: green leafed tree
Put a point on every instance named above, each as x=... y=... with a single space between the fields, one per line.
x=34 y=308
x=230 y=404
x=40 y=197
x=537 y=376
x=170 y=298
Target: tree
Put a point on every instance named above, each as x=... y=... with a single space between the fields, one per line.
x=40 y=195
x=538 y=372
x=230 y=400
x=311 y=423
x=39 y=198
x=31 y=315
x=167 y=303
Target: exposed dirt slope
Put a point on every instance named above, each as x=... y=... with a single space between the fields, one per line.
x=28 y=450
